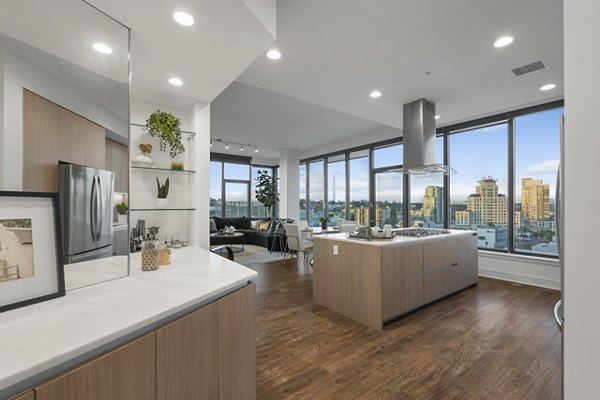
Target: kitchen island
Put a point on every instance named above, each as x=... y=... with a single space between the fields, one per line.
x=376 y=281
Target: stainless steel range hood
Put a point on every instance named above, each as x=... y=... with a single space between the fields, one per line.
x=419 y=140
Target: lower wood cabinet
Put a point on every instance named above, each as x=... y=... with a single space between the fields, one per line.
x=211 y=353
x=207 y=354
x=127 y=373
x=30 y=395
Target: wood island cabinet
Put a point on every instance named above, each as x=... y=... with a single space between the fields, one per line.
x=209 y=353
x=373 y=283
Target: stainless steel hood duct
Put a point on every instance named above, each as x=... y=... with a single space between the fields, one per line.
x=419 y=140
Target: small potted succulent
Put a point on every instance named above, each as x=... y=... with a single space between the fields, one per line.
x=167 y=128
x=162 y=193
x=121 y=210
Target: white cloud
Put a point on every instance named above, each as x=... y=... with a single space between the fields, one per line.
x=544 y=168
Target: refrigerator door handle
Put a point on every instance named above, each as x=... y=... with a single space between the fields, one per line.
x=557 y=309
x=93 y=210
x=100 y=215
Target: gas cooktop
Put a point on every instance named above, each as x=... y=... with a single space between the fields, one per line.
x=420 y=232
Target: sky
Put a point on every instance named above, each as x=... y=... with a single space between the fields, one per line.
x=473 y=154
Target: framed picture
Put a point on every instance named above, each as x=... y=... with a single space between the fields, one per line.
x=31 y=261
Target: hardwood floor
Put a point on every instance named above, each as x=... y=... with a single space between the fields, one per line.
x=497 y=340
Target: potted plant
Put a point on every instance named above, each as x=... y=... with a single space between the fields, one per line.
x=266 y=191
x=121 y=210
x=167 y=128
x=324 y=221
x=163 y=192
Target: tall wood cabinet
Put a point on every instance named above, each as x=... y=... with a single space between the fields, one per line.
x=117 y=161
x=51 y=134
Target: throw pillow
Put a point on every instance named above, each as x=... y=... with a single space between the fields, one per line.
x=263 y=224
x=254 y=224
x=213 y=225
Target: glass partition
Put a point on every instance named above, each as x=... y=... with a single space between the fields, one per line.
x=65 y=90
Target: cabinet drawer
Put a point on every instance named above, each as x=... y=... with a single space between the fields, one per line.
x=441 y=283
x=439 y=254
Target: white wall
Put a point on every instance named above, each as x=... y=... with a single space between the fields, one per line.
x=582 y=146
x=289 y=184
x=143 y=183
x=535 y=271
x=19 y=74
x=186 y=190
x=200 y=235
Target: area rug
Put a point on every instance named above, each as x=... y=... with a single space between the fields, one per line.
x=256 y=255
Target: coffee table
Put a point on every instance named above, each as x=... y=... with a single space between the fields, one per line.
x=228 y=239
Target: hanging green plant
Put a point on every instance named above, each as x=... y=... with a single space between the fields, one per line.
x=167 y=128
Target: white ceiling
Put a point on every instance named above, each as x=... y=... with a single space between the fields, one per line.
x=249 y=115
x=68 y=30
x=335 y=52
x=227 y=36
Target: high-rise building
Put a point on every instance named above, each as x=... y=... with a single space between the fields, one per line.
x=490 y=206
x=361 y=216
x=433 y=203
x=535 y=199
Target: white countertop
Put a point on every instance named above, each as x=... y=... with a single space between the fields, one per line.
x=397 y=241
x=40 y=337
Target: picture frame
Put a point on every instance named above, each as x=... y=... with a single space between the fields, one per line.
x=31 y=259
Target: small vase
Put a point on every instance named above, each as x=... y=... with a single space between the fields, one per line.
x=150 y=254
x=324 y=225
x=162 y=203
x=142 y=161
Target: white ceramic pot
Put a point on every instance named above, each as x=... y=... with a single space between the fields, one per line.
x=162 y=203
x=143 y=161
x=122 y=219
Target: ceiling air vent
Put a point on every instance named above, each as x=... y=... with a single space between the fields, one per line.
x=526 y=69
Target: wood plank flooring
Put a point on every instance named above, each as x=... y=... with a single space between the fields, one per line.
x=497 y=340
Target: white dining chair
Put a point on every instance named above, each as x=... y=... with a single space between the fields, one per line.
x=297 y=243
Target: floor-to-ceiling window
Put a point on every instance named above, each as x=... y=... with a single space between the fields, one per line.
x=427 y=196
x=302 y=200
x=336 y=189
x=537 y=154
x=257 y=210
x=479 y=190
x=316 y=194
x=215 y=188
x=236 y=178
x=232 y=185
x=388 y=186
x=359 y=171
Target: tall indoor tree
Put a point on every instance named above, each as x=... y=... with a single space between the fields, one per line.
x=266 y=191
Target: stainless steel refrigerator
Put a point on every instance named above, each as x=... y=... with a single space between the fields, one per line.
x=558 y=215
x=86 y=196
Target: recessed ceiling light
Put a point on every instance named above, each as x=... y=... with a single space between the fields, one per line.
x=549 y=86
x=437 y=117
x=503 y=41
x=375 y=94
x=274 y=54
x=102 y=48
x=183 y=18
x=175 y=81
x=255 y=149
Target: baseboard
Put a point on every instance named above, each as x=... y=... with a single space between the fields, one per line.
x=520 y=278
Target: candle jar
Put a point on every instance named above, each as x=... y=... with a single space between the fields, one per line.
x=150 y=255
x=164 y=255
